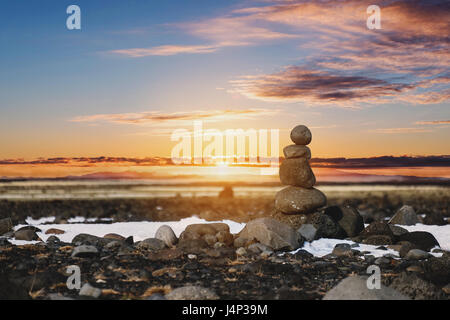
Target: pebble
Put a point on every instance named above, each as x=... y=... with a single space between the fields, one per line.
x=308 y=231
x=166 y=234
x=297 y=151
x=297 y=172
x=192 y=293
x=89 y=291
x=301 y=135
x=298 y=200
x=405 y=216
x=241 y=251
x=342 y=250
x=151 y=244
x=84 y=251
x=417 y=254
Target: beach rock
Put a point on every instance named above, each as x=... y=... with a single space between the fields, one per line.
x=193 y=246
x=405 y=216
x=437 y=270
x=192 y=293
x=348 y=218
x=272 y=233
x=241 y=251
x=434 y=218
x=415 y=287
x=355 y=288
x=398 y=231
x=417 y=254
x=26 y=234
x=114 y=236
x=5 y=225
x=226 y=193
x=54 y=231
x=421 y=239
x=326 y=227
x=258 y=248
x=296 y=151
x=84 y=251
x=377 y=228
x=166 y=234
x=151 y=244
x=88 y=239
x=307 y=231
x=405 y=248
x=301 y=135
x=205 y=228
x=342 y=250
x=293 y=220
x=225 y=237
x=378 y=240
x=297 y=172
x=89 y=291
x=296 y=200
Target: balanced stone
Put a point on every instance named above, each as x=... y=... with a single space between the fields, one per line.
x=296 y=200
x=297 y=172
x=301 y=135
x=297 y=151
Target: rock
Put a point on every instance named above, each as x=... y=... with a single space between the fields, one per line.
x=151 y=244
x=382 y=261
x=377 y=228
x=225 y=237
x=54 y=231
x=326 y=227
x=114 y=236
x=241 y=251
x=89 y=239
x=297 y=151
x=192 y=293
x=422 y=239
x=113 y=245
x=89 y=291
x=210 y=239
x=348 y=218
x=53 y=240
x=293 y=220
x=446 y=289
x=397 y=231
x=437 y=270
x=201 y=229
x=258 y=248
x=301 y=135
x=405 y=216
x=417 y=254
x=194 y=246
x=85 y=251
x=307 y=231
x=5 y=225
x=297 y=172
x=226 y=193
x=166 y=234
x=272 y=233
x=355 y=288
x=342 y=250
x=405 y=247
x=377 y=240
x=11 y=290
x=434 y=218
x=26 y=234
x=297 y=200
x=156 y=296
x=415 y=287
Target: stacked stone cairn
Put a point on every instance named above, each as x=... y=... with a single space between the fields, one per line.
x=294 y=203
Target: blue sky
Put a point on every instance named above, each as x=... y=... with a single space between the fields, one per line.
x=59 y=88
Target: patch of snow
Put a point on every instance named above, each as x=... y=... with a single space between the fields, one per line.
x=441 y=233
x=33 y=222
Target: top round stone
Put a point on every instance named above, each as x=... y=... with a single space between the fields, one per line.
x=301 y=135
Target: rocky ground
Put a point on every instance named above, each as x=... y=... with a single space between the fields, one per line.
x=207 y=262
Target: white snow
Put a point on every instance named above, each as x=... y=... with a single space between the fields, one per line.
x=146 y=229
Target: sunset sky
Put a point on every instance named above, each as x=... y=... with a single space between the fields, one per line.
x=138 y=70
